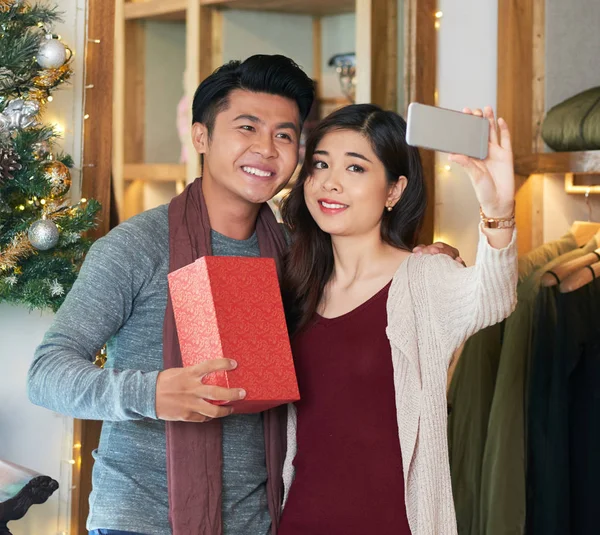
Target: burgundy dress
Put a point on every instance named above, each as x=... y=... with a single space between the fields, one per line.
x=349 y=476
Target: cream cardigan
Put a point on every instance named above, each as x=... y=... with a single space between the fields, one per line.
x=434 y=305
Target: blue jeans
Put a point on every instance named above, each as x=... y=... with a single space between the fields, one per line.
x=112 y=532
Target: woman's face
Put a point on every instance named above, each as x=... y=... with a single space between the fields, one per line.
x=348 y=191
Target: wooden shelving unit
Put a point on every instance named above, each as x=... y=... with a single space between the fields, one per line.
x=521 y=101
x=376 y=50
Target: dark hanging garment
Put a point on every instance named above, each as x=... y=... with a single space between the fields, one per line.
x=564 y=415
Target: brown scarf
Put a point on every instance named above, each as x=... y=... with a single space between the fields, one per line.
x=194 y=450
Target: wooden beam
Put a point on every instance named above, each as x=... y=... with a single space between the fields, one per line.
x=135 y=92
x=199 y=64
x=304 y=7
x=97 y=142
x=377 y=52
x=572 y=187
x=157 y=172
x=134 y=199
x=518 y=66
x=317 y=47
x=530 y=212
x=171 y=9
x=384 y=53
x=96 y=183
x=363 y=51
x=420 y=73
x=86 y=437
x=559 y=162
x=515 y=71
x=118 y=110
x=217 y=38
x=539 y=74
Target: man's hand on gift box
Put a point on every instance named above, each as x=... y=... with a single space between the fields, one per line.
x=182 y=396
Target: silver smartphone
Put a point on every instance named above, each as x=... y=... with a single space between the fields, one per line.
x=447 y=131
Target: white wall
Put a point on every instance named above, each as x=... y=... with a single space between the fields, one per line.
x=31 y=436
x=467 y=62
x=164 y=68
x=572 y=45
x=572 y=65
x=246 y=33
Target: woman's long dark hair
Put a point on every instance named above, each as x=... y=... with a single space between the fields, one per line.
x=309 y=262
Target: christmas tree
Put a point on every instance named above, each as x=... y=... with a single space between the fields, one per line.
x=41 y=242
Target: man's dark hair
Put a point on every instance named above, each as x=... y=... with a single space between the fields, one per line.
x=276 y=75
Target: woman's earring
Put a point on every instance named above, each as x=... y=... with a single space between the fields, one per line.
x=389 y=207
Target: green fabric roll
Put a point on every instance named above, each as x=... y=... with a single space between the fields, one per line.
x=574 y=124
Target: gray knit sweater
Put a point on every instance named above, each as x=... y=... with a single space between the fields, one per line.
x=120 y=297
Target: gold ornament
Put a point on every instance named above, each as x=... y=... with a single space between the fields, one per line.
x=49 y=78
x=18 y=249
x=57 y=173
x=5 y=5
x=38 y=95
x=101 y=357
x=41 y=149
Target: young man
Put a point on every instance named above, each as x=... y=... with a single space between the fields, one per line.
x=224 y=474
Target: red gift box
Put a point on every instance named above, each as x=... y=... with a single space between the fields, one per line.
x=230 y=307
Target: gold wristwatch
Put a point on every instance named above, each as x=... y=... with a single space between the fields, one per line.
x=497 y=222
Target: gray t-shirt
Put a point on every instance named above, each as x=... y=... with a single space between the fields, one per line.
x=120 y=296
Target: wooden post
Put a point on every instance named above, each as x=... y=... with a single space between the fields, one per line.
x=420 y=73
x=199 y=64
x=118 y=109
x=134 y=113
x=97 y=151
x=377 y=68
x=377 y=52
x=217 y=38
x=519 y=25
x=363 y=51
x=317 y=44
x=97 y=140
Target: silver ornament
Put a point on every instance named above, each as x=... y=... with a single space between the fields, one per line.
x=52 y=54
x=43 y=234
x=18 y=114
x=41 y=149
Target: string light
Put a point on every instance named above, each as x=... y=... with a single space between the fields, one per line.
x=50 y=98
x=21 y=207
x=43 y=201
x=447 y=167
x=86 y=116
x=437 y=25
x=83 y=200
x=439 y=15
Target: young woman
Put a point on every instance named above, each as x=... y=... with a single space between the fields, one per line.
x=374 y=326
